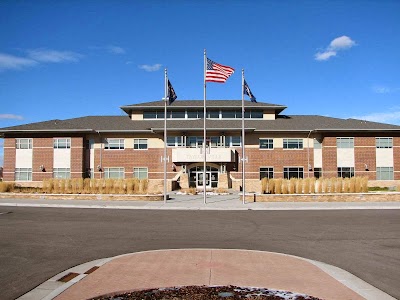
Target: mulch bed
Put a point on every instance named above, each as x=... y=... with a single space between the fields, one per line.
x=207 y=293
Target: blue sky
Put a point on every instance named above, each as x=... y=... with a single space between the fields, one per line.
x=66 y=59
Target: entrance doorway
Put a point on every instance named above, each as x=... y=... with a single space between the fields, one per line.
x=196 y=177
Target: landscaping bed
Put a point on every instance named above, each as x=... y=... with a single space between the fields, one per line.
x=207 y=293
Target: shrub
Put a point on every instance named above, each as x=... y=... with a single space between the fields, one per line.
x=6 y=187
x=264 y=185
x=278 y=186
x=271 y=186
x=306 y=185
x=299 y=186
x=292 y=185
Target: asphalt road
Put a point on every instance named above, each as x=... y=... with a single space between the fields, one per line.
x=38 y=243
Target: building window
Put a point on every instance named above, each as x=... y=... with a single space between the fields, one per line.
x=23 y=143
x=345 y=172
x=235 y=141
x=213 y=114
x=195 y=114
x=154 y=114
x=114 y=173
x=177 y=114
x=384 y=142
x=266 y=144
x=140 y=144
x=317 y=172
x=174 y=141
x=317 y=144
x=23 y=174
x=231 y=114
x=266 y=172
x=292 y=143
x=293 y=172
x=140 y=173
x=194 y=141
x=345 y=142
x=62 y=173
x=384 y=173
x=216 y=141
x=64 y=143
x=114 y=144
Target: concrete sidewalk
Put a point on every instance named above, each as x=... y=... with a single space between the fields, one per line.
x=210 y=267
x=196 y=202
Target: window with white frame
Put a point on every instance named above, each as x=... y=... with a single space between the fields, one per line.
x=216 y=141
x=195 y=114
x=293 y=172
x=114 y=144
x=384 y=142
x=292 y=143
x=23 y=143
x=177 y=114
x=317 y=172
x=384 y=173
x=62 y=173
x=62 y=143
x=345 y=172
x=266 y=172
x=23 y=174
x=153 y=114
x=114 y=173
x=347 y=142
x=140 y=173
x=140 y=144
x=235 y=141
x=231 y=114
x=266 y=143
x=194 y=141
x=213 y=114
x=174 y=141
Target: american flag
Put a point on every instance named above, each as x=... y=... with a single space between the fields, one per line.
x=217 y=73
x=247 y=91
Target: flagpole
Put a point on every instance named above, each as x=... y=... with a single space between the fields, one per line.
x=204 y=132
x=243 y=148
x=165 y=134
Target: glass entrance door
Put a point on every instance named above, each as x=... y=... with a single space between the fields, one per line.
x=199 y=179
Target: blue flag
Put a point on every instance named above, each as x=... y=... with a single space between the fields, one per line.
x=247 y=91
x=171 y=95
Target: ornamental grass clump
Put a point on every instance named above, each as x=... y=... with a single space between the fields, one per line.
x=285 y=186
x=264 y=185
x=278 y=186
x=306 y=185
x=6 y=187
x=271 y=186
x=299 y=186
x=292 y=185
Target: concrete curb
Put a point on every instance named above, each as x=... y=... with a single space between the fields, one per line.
x=52 y=287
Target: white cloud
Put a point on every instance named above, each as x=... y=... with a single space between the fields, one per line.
x=115 y=49
x=324 y=55
x=11 y=62
x=53 y=56
x=392 y=117
x=150 y=68
x=337 y=44
x=10 y=116
x=381 y=89
x=342 y=42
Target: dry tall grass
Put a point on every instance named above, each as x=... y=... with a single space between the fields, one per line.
x=95 y=186
x=313 y=185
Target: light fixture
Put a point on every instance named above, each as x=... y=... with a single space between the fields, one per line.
x=366 y=167
x=309 y=167
x=42 y=168
x=99 y=168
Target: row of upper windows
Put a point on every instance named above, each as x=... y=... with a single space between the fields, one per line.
x=199 y=114
x=58 y=143
x=217 y=141
x=340 y=143
x=382 y=173
x=25 y=174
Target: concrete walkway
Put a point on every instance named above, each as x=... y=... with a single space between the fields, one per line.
x=210 y=267
x=196 y=202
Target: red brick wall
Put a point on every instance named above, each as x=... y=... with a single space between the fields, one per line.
x=365 y=154
x=396 y=156
x=9 y=159
x=77 y=157
x=329 y=157
x=42 y=155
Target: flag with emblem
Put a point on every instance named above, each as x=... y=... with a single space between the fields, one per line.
x=247 y=91
x=171 y=95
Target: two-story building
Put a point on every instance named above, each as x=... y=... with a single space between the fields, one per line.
x=276 y=145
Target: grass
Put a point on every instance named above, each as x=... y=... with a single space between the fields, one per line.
x=313 y=185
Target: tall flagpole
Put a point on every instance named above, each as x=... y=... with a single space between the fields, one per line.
x=165 y=134
x=243 y=148
x=204 y=131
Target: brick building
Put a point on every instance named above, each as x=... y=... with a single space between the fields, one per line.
x=277 y=145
